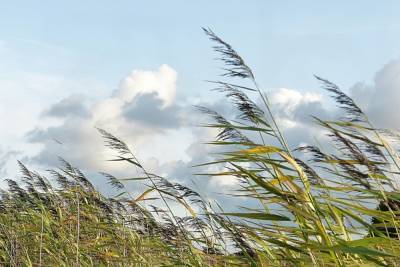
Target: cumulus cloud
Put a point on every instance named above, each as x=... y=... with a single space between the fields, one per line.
x=69 y=106
x=148 y=110
x=294 y=110
x=161 y=82
x=7 y=160
x=75 y=140
x=298 y=106
x=380 y=99
x=141 y=108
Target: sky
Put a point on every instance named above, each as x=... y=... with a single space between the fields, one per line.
x=136 y=68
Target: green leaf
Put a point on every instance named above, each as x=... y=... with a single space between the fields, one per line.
x=258 y=216
x=369 y=241
x=360 y=250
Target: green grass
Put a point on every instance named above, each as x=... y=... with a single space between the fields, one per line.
x=337 y=205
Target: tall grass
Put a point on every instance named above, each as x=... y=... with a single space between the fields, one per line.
x=337 y=205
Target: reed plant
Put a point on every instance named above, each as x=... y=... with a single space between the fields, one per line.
x=336 y=204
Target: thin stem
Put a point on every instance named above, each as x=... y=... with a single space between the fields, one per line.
x=78 y=230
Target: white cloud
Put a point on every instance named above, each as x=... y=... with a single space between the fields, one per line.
x=293 y=111
x=291 y=99
x=380 y=100
x=162 y=82
x=81 y=143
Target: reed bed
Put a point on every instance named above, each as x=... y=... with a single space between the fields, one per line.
x=331 y=205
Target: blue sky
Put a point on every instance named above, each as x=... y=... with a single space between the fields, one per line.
x=79 y=57
x=285 y=41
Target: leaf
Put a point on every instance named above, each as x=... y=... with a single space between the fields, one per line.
x=368 y=241
x=143 y=195
x=111 y=254
x=259 y=181
x=258 y=216
x=181 y=201
x=359 y=250
x=261 y=150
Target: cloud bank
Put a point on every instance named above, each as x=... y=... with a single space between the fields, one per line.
x=139 y=110
x=145 y=113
